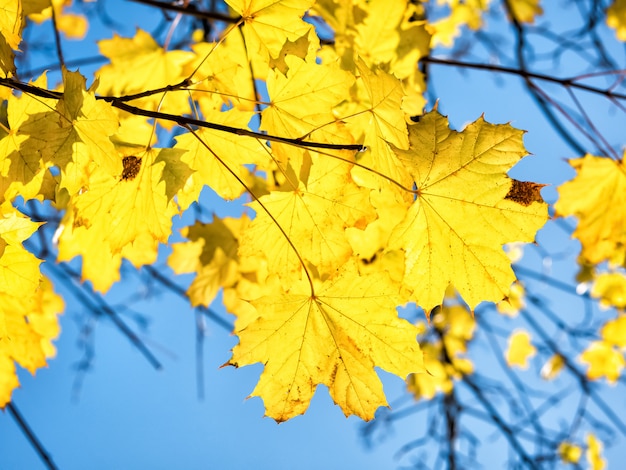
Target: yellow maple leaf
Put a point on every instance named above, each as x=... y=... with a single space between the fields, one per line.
x=268 y=24
x=211 y=253
x=22 y=170
x=75 y=137
x=466 y=208
x=139 y=64
x=320 y=86
x=378 y=120
x=614 y=332
x=127 y=214
x=520 y=350
x=218 y=158
x=603 y=360
x=426 y=386
x=601 y=230
x=11 y=22
x=462 y=13
x=610 y=288
x=616 y=18
x=28 y=307
x=29 y=324
x=19 y=269
x=312 y=213
x=74 y=26
x=335 y=336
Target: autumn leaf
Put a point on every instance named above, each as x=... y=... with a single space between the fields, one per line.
x=601 y=230
x=334 y=336
x=610 y=288
x=603 y=361
x=22 y=171
x=321 y=86
x=464 y=211
x=218 y=159
x=127 y=214
x=75 y=137
x=268 y=24
x=28 y=307
x=211 y=253
x=519 y=350
x=139 y=64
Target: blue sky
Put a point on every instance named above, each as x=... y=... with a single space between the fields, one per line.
x=129 y=415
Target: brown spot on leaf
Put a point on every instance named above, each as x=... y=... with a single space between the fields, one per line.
x=131 y=168
x=525 y=192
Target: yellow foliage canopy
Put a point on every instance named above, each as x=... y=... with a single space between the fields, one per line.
x=339 y=238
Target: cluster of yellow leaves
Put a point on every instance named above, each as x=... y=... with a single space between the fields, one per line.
x=338 y=238
x=469 y=13
x=28 y=306
x=13 y=16
x=601 y=231
x=454 y=326
x=571 y=453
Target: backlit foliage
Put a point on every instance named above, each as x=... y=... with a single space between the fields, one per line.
x=358 y=197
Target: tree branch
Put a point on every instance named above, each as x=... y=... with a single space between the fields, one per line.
x=183 y=121
x=30 y=435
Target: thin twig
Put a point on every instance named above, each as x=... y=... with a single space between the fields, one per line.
x=30 y=435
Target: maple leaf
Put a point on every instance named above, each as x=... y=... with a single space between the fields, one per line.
x=139 y=64
x=22 y=171
x=466 y=208
x=610 y=288
x=320 y=86
x=268 y=24
x=335 y=337
x=19 y=269
x=376 y=117
x=27 y=327
x=218 y=158
x=462 y=13
x=11 y=24
x=28 y=307
x=519 y=350
x=601 y=230
x=72 y=25
x=126 y=214
x=603 y=360
x=75 y=137
x=312 y=215
x=211 y=253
